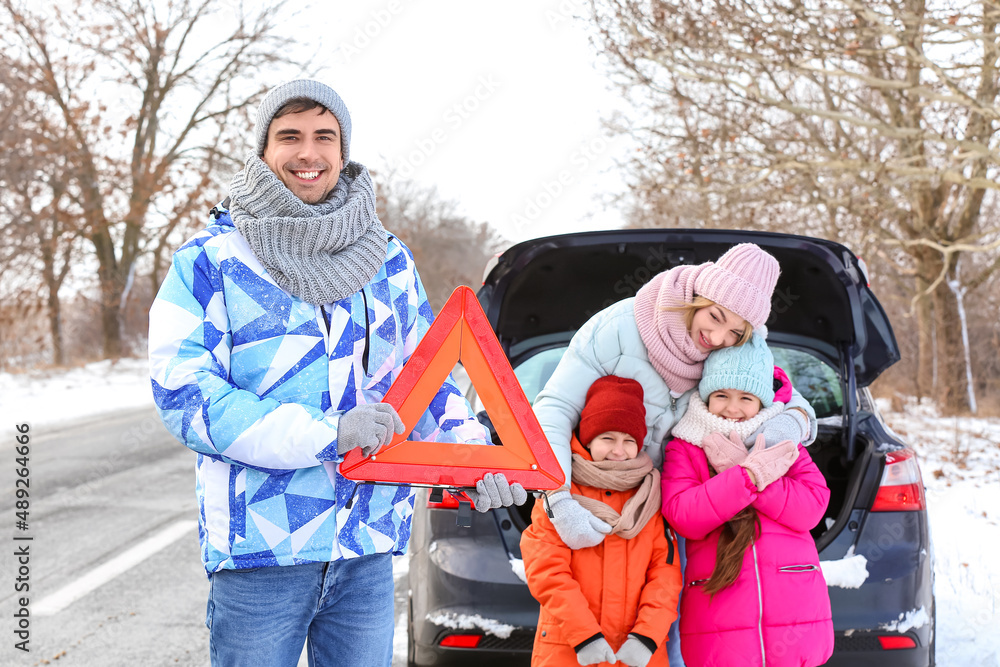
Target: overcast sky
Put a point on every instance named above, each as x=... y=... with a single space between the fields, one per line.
x=498 y=105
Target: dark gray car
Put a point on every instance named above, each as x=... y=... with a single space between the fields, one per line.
x=467 y=601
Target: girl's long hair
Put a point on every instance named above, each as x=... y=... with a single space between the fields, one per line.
x=737 y=535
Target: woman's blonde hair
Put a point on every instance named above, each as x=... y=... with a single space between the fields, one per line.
x=688 y=310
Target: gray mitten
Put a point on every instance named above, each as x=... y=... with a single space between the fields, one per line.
x=596 y=652
x=634 y=653
x=368 y=426
x=577 y=527
x=789 y=425
x=493 y=491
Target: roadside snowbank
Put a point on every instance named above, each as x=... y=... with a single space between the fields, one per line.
x=45 y=398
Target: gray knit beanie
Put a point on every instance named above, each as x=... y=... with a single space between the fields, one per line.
x=313 y=90
x=748 y=367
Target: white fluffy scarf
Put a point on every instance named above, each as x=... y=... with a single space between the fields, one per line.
x=698 y=422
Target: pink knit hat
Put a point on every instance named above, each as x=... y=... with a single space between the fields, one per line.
x=742 y=280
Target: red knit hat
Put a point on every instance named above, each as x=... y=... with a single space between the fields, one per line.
x=613 y=404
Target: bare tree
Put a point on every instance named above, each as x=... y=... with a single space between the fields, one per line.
x=148 y=98
x=37 y=216
x=449 y=249
x=873 y=122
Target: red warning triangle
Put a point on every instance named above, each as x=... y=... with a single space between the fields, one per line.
x=461 y=332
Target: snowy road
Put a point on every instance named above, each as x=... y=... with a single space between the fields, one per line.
x=113 y=571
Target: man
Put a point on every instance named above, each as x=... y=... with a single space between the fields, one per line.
x=272 y=341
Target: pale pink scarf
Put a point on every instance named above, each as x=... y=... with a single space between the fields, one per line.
x=668 y=344
x=621 y=476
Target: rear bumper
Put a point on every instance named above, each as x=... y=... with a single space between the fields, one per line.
x=864 y=650
x=492 y=651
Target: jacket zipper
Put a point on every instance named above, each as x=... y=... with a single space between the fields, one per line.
x=760 y=607
x=364 y=355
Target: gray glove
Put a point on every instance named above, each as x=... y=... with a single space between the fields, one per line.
x=596 y=652
x=493 y=491
x=368 y=426
x=577 y=527
x=634 y=653
x=789 y=425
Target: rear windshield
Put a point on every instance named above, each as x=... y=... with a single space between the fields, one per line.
x=816 y=380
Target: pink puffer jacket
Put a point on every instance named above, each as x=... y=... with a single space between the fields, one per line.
x=777 y=612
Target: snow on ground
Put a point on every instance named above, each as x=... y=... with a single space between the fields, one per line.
x=46 y=398
x=959 y=458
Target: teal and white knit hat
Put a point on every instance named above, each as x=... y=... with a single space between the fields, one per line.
x=748 y=367
x=310 y=89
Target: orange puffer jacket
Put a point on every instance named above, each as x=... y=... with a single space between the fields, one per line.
x=617 y=587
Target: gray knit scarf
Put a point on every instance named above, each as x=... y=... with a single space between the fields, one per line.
x=317 y=252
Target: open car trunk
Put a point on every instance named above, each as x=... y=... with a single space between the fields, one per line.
x=827 y=329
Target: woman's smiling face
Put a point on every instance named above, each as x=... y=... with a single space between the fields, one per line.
x=714 y=327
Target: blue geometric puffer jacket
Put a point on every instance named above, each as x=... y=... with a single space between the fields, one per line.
x=254 y=380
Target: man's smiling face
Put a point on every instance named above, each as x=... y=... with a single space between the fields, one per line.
x=303 y=150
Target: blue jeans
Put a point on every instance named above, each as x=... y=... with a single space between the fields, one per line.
x=262 y=616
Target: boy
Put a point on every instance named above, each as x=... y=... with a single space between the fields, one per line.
x=614 y=601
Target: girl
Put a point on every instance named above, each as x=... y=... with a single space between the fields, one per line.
x=754 y=593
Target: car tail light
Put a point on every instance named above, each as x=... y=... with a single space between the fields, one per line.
x=901 y=488
x=461 y=641
x=891 y=642
x=449 y=501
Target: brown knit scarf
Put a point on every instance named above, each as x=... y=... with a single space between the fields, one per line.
x=621 y=476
